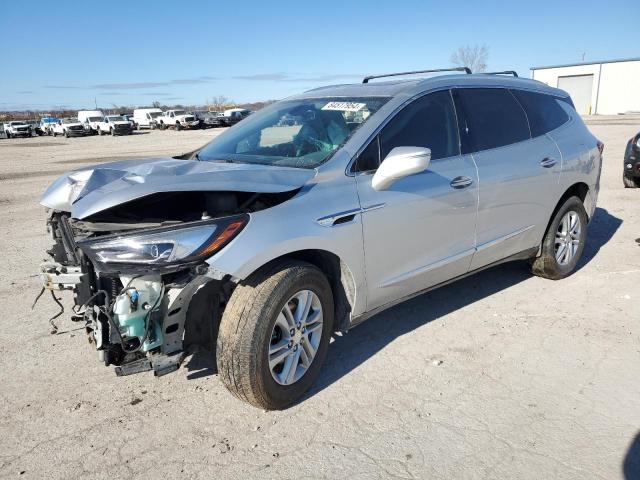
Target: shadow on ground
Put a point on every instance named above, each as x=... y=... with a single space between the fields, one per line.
x=354 y=348
x=631 y=464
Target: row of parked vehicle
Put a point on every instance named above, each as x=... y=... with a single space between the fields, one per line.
x=95 y=122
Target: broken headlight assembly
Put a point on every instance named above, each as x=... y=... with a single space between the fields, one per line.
x=164 y=248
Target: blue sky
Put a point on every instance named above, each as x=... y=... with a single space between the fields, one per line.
x=66 y=53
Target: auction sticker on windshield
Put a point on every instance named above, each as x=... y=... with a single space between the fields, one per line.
x=344 y=106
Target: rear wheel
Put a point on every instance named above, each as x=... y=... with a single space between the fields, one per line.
x=630 y=182
x=66 y=134
x=564 y=241
x=274 y=335
x=178 y=126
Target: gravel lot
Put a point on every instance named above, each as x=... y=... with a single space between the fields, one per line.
x=501 y=375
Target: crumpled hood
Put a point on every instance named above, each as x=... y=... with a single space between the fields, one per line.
x=90 y=190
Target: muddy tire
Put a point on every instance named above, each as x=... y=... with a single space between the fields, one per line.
x=563 y=242
x=261 y=362
x=629 y=182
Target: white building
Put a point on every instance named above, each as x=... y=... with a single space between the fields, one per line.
x=608 y=87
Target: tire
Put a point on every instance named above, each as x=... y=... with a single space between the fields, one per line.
x=247 y=330
x=162 y=126
x=629 y=182
x=100 y=132
x=8 y=135
x=66 y=134
x=55 y=134
x=178 y=126
x=112 y=132
x=547 y=265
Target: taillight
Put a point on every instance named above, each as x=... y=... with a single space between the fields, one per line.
x=600 y=147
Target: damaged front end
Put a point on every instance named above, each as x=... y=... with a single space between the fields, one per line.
x=136 y=290
x=132 y=240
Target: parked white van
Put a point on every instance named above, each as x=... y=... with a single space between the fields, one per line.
x=145 y=117
x=90 y=119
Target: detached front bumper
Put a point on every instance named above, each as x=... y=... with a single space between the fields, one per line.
x=135 y=322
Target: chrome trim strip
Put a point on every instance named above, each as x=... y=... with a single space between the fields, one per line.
x=373 y=207
x=329 y=220
x=432 y=266
x=493 y=243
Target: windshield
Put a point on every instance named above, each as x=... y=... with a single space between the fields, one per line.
x=115 y=118
x=179 y=112
x=294 y=133
x=70 y=120
x=17 y=124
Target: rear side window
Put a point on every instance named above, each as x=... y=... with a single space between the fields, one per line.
x=543 y=111
x=489 y=118
x=429 y=121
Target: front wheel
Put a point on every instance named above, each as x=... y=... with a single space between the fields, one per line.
x=274 y=335
x=630 y=182
x=564 y=241
x=178 y=126
x=66 y=134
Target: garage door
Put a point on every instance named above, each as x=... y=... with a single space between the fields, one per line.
x=579 y=87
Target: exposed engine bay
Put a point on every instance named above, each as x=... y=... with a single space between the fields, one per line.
x=137 y=270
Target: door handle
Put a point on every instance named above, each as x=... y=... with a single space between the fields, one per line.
x=548 y=162
x=461 y=182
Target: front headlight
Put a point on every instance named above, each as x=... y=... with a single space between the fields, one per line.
x=167 y=246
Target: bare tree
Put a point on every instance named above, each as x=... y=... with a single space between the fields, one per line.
x=219 y=103
x=474 y=57
x=156 y=104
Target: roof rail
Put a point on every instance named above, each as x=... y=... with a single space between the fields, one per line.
x=505 y=72
x=456 y=69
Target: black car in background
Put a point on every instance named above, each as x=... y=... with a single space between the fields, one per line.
x=631 y=169
x=208 y=119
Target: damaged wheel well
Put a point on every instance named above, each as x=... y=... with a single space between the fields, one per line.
x=207 y=305
x=338 y=274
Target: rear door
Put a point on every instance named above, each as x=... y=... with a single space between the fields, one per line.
x=518 y=174
x=420 y=231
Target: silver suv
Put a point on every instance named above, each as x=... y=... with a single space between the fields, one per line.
x=312 y=215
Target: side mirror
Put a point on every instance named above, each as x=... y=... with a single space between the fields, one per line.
x=399 y=163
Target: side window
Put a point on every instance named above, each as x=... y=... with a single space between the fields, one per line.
x=489 y=118
x=429 y=121
x=543 y=111
x=369 y=159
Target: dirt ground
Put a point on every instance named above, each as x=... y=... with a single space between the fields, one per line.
x=501 y=375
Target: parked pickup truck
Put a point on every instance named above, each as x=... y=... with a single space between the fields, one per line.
x=178 y=119
x=47 y=123
x=69 y=127
x=114 y=125
x=17 y=128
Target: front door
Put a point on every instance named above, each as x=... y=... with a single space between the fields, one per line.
x=421 y=231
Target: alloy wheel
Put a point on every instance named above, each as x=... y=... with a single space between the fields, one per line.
x=567 y=239
x=295 y=337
